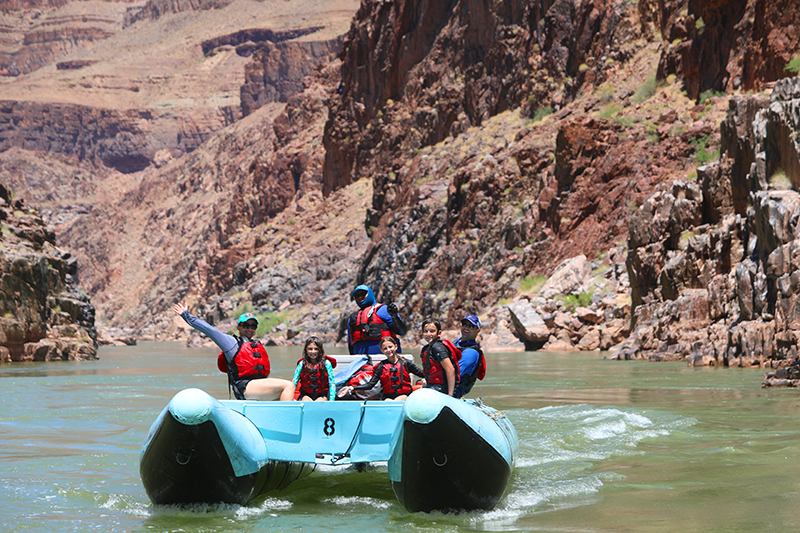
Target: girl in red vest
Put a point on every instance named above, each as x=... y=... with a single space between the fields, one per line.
x=393 y=372
x=440 y=371
x=313 y=377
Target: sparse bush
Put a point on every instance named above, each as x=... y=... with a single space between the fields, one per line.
x=705 y=96
x=605 y=93
x=684 y=240
x=701 y=153
x=573 y=301
x=700 y=26
x=793 y=66
x=610 y=111
x=780 y=181
x=646 y=90
x=532 y=283
x=266 y=324
x=246 y=307
x=541 y=113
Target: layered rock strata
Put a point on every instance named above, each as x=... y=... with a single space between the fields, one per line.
x=712 y=262
x=44 y=316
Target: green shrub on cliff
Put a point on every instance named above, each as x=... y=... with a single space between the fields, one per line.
x=541 y=113
x=573 y=301
x=532 y=283
x=780 y=181
x=646 y=90
x=701 y=153
x=793 y=66
x=705 y=96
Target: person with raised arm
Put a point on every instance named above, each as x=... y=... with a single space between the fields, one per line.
x=243 y=358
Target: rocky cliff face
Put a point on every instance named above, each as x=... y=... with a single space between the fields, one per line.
x=471 y=198
x=711 y=261
x=128 y=141
x=727 y=45
x=459 y=154
x=129 y=84
x=36 y=34
x=45 y=317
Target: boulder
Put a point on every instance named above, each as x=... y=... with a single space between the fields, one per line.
x=528 y=323
x=568 y=277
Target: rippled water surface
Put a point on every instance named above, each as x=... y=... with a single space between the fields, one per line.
x=604 y=446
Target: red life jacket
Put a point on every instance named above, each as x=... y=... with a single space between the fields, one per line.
x=480 y=368
x=251 y=361
x=434 y=371
x=366 y=325
x=395 y=378
x=363 y=375
x=313 y=380
x=480 y=373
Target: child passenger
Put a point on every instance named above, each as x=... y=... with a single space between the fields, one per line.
x=440 y=372
x=393 y=372
x=313 y=377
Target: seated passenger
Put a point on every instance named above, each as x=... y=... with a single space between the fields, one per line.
x=472 y=365
x=313 y=377
x=438 y=363
x=393 y=372
x=244 y=359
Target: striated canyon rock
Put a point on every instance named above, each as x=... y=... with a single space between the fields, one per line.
x=43 y=315
x=714 y=282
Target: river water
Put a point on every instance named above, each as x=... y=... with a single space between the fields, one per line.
x=604 y=447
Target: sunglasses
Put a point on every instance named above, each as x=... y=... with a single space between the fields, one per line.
x=249 y=325
x=469 y=325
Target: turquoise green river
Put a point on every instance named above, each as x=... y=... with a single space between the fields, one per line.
x=605 y=446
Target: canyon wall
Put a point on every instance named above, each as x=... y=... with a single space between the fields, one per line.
x=44 y=315
x=454 y=154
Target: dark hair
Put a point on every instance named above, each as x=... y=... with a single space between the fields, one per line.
x=432 y=321
x=389 y=338
x=318 y=342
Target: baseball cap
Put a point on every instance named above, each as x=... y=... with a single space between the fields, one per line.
x=472 y=319
x=244 y=317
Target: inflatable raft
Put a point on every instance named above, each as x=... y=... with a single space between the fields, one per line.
x=442 y=453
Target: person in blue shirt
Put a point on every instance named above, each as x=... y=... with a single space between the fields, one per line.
x=472 y=362
x=373 y=321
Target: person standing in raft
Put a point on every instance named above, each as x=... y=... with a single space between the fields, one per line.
x=393 y=372
x=372 y=322
x=472 y=365
x=313 y=377
x=440 y=370
x=244 y=359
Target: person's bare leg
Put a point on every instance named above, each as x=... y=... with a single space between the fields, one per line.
x=270 y=389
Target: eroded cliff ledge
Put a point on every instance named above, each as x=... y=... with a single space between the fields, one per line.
x=44 y=316
x=713 y=263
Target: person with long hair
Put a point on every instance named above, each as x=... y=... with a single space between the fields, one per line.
x=394 y=373
x=313 y=377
